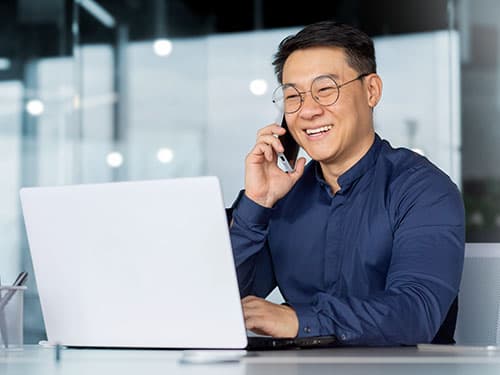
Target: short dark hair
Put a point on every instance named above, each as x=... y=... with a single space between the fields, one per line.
x=357 y=46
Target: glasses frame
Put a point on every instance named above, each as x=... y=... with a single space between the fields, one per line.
x=303 y=93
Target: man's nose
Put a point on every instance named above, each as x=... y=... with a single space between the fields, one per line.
x=310 y=107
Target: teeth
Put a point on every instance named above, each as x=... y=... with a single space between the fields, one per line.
x=319 y=130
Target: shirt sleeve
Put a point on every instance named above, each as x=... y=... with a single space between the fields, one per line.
x=248 y=231
x=423 y=276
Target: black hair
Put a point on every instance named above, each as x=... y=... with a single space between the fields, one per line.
x=357 y=46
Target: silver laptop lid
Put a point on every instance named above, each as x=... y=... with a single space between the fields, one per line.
x=135 y=264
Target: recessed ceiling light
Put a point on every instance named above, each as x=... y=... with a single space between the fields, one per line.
x=258 y=87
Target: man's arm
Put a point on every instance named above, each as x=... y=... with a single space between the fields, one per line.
x=254 y=267
x=248 y=230
x=422 y=280
x=265 y=184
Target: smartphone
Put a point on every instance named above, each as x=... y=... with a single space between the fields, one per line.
x=286 y=160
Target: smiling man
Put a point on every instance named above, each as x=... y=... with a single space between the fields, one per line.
x=365 y=242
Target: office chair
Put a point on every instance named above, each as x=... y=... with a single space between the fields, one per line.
x=478 y=321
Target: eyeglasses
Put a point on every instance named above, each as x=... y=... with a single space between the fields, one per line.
x=324 y=90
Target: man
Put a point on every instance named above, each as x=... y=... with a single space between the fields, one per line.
x=366 y=242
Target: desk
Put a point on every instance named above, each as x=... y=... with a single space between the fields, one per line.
x=351 y=361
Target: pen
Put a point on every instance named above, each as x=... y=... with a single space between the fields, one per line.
x=20 y=279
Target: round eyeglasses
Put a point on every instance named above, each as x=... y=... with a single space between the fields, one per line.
x=324 y=90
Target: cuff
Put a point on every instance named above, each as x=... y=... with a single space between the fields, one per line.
x=308 y=320
x=251 y=212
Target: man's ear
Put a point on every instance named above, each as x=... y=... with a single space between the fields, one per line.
x=373 y=84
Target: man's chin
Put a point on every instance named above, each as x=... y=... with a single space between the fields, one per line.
x=321 y=158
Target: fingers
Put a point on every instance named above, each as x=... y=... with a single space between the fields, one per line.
x=262 y=150
x=255 y=325
x=255 y=314
x=267 y=146
x=269 y=135
x=252 y=301
x=271 y=140
x=253 y=306
x=299 y=169
x=270 y=130
x=268 y=142
x=268 y=318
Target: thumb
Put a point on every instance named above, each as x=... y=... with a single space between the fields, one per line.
x=299 y=169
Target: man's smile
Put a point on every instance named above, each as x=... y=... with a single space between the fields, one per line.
x=315 y=132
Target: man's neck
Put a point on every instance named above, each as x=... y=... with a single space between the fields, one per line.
x=333 y=169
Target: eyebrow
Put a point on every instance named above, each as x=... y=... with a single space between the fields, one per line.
x=333 y=75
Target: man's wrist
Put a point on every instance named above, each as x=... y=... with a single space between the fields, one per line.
x=293 y=320
x=251 y=212
x=261 y=201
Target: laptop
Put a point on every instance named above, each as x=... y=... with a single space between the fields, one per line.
x=143 y=264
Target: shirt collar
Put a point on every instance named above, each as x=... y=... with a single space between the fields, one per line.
x=356 y=171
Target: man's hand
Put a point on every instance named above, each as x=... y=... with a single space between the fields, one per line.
x=265 y=182
x=266 y=318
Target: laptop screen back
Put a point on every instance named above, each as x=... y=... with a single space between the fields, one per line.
x=135 y=264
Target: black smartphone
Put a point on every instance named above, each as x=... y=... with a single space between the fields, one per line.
x=287 y=159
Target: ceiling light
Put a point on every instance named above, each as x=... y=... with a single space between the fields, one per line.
x=165 y=155
x=162 y=47
x=35 y=107
x=114 y=159
x=258 y=87
x=4 y=63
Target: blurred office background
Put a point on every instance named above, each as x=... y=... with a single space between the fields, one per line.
x=110 y=90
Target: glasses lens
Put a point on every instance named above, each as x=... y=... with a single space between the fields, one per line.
x=325 y=90
x=287 y=98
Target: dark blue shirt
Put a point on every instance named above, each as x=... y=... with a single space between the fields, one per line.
x=377 y=263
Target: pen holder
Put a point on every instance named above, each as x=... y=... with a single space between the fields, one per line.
x=11 y=317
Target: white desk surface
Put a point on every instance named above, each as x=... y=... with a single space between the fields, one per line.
x=365 y=361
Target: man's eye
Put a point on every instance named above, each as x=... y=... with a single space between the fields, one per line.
x=292 y=97
x=327 y=90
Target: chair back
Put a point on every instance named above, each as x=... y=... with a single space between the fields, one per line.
x=478 y=321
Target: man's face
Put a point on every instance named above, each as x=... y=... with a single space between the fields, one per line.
x=346 y=126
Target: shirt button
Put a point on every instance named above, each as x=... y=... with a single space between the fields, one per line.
x=343 y=336
x=307 y=329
